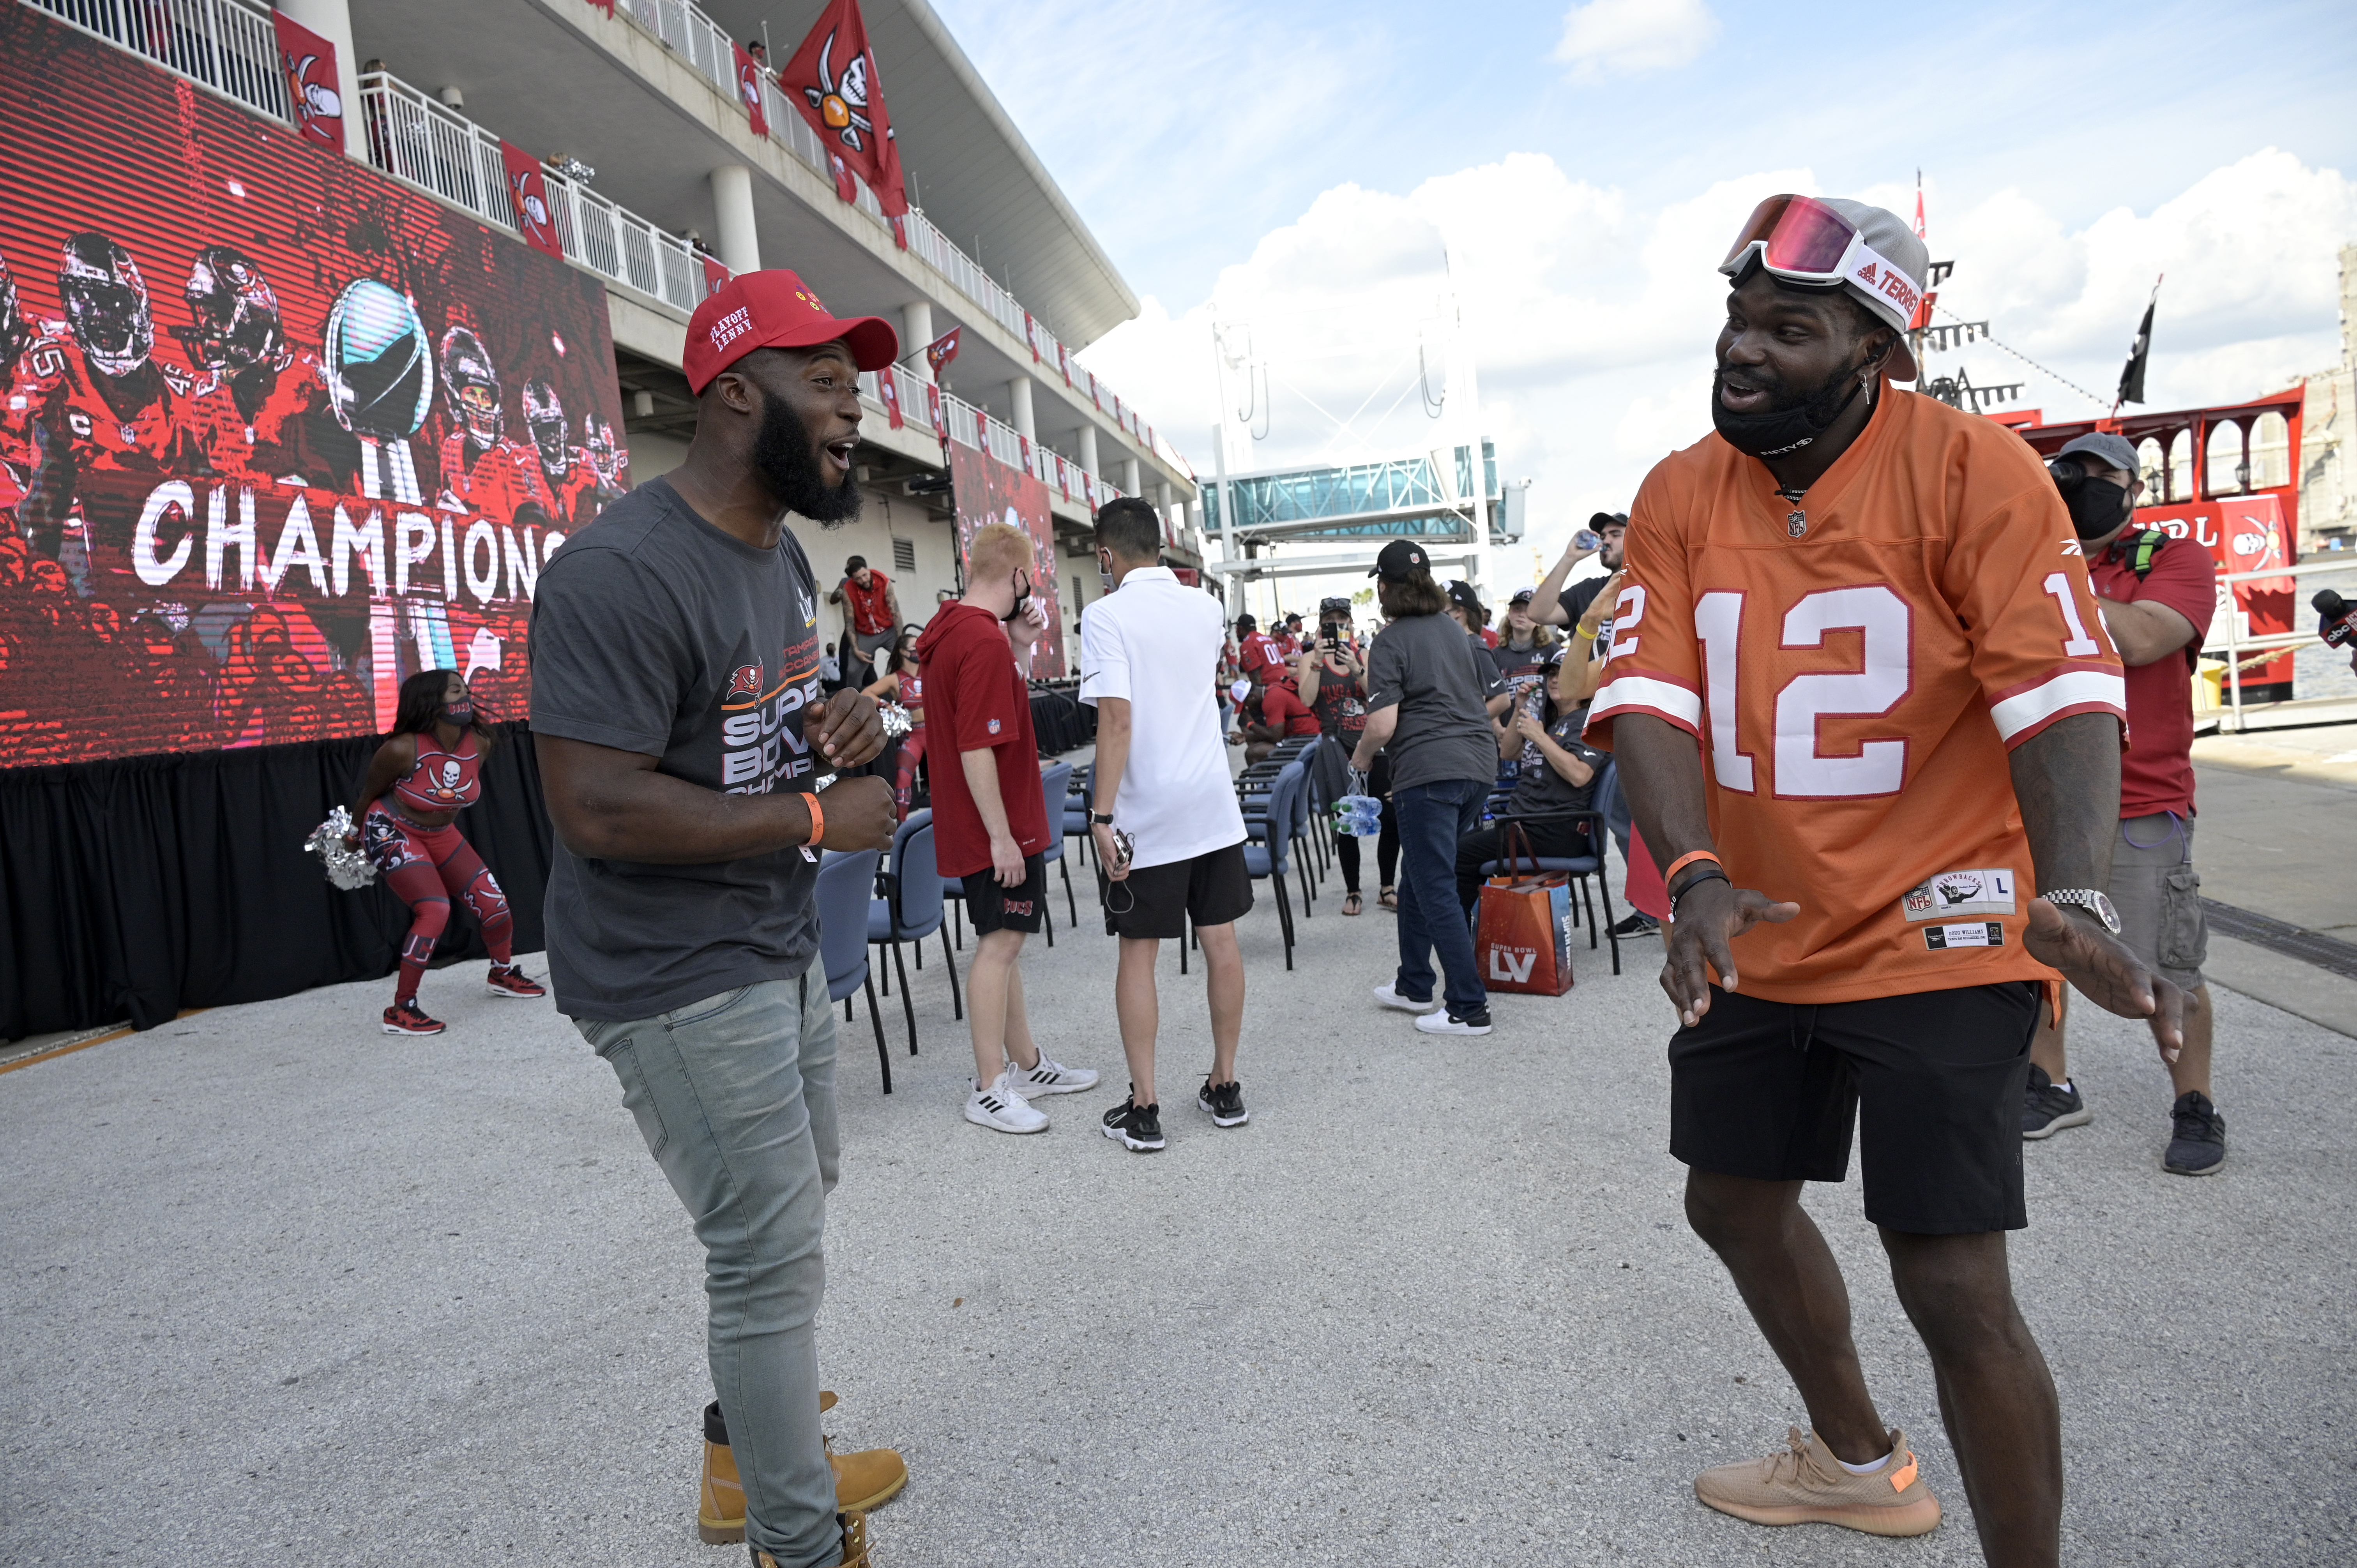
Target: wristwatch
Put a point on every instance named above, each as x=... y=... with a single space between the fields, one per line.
x=1103 y=819
x=2091 y=899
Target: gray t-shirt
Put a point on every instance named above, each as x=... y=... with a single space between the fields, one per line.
x=654 y=631
x=1425 y=665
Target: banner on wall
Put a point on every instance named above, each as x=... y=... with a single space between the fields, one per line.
x=987 y=491
x=2242 y=533
x=277 y=433
x=309 y=63
x=748 y=89
x=528 y=194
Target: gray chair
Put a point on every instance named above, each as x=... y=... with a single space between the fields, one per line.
x=1055 y=783
x=911 y=909
x=846 y=883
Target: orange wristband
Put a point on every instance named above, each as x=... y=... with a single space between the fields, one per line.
x=818 y=821
x=1688 y=859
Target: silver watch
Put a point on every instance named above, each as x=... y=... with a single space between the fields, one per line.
x=2091 y=899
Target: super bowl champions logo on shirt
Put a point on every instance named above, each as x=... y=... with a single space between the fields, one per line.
x=762 y=726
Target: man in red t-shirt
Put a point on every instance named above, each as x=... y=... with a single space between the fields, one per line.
x=2156 y=595
x=990 y=819
x=870 y=604
x=1282 y=717
x=1260 y=656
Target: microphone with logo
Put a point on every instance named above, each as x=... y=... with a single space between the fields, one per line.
x=2338 y=625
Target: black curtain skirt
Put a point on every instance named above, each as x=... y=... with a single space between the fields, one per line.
x=136 y=887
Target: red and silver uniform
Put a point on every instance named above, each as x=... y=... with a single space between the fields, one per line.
x=269 y=443
x=167 y=434
x=579 y=490
x=31 y=378
x=493 y=481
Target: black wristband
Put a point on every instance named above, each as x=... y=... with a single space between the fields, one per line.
x=1103 y=819
x=1707 y=872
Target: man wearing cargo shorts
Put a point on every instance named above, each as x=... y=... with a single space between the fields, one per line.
x=2156 y=595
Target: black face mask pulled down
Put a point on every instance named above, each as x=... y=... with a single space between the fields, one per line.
x=2096 y=506
x=1790 y=423
x=1022 y=601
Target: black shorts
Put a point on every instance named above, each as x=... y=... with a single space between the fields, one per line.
x=1768 y=1090
x=1213 y=888
x=995 y=908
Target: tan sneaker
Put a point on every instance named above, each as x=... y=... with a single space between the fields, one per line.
x=1807 y=1484
x=862 y=1480
x=855 y=1544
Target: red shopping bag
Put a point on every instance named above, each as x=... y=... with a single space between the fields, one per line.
x=1523 y=941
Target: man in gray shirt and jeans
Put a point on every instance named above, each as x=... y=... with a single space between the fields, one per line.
x=677 y=721
x=1426 y=698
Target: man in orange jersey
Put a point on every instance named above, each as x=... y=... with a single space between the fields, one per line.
x=1865 y=706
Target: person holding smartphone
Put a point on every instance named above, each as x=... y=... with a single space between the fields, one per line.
x=1332 y=677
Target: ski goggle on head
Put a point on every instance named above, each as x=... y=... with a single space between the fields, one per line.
x=1805 y=241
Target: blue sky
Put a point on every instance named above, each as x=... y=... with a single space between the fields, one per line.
x=1590 y=159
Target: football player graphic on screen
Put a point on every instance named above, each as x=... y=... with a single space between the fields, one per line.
x=570 y=472
x=263 y=393
x=31 y=360
x=113 y=406
x=482 y=470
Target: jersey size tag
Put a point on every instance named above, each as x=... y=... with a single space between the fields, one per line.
x=1979 y=934
x=1984 y=892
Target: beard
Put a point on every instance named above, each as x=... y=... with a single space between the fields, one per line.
x=783 y=453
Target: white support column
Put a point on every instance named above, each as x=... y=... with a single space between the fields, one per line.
x=1089 y=450
x=332 y=20
x=732 y=214
x=1019 y=393
x=1130 y=483
x=916 y=332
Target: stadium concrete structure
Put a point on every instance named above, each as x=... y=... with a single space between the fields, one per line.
x=652 y=163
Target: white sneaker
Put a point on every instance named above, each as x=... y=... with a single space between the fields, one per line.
x=1051 y=1076
x=1390 y=997
x=1000 y=1106
x=1445 y=1023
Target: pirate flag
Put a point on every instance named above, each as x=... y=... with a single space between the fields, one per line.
x=307 y=62
x=832 y=80
x=2139 y=353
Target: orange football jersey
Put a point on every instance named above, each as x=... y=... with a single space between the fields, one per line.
x=1855 y=677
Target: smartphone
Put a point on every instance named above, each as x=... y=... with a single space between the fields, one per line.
x=1334 y=641
x=1588 y=539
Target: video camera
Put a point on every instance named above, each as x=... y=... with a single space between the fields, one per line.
x=2338 y=625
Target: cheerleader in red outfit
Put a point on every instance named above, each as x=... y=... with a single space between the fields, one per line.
x=426 y=769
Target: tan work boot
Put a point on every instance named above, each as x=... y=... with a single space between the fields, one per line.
x=1807 y=1484
x=855 y=1544
x=862 y=1480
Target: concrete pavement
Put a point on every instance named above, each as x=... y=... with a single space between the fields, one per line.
x=281 y=1289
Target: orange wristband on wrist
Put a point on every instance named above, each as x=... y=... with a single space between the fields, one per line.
x=818 y=821
x=1688 y=859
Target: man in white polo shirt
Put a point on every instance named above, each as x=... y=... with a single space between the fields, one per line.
x=1169 y=835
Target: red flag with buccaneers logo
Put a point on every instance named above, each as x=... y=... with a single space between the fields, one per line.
x=748 y=87
x=887 y=387
x=528 y=194
x=943 y=350
x=941 y=415
x=309 y=63
x=716 y=276
x=833 y=81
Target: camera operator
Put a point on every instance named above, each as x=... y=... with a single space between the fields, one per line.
x=1558 y=775
x=1426 y=680
x=2155 y=595
x=1332 y=678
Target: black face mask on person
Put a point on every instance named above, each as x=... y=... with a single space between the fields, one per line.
x=2096 y=506
x=781 y=451
x=1791 y=421
x=1022 y=600
x=460 y=712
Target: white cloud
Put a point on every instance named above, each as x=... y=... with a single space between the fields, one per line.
x=1627 y=38
x=1592 y=323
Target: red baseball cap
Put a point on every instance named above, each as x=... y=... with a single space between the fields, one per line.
x=774 y=309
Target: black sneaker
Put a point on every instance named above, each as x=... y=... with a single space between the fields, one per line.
x=1224 y=1102
x=1136 y=1127
x=2199 y=1147
x=1638 y=926
x=2047 y=1107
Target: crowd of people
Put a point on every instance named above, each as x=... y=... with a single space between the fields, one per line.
x=1824 y=652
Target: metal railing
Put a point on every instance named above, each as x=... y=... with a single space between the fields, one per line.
x=707 y=49
x=1002 y=442
x=2238 y=647
x=228 y=46
x=432 y=146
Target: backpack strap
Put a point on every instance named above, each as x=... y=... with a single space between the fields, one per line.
x=2147 y=546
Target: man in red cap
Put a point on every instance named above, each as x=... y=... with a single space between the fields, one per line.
x=677 y=717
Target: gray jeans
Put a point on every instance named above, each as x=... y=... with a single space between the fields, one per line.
x=735 y=1096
